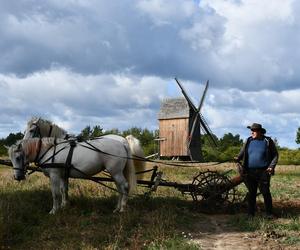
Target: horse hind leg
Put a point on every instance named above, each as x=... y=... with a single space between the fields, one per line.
x=122 y=186
x=55 y=189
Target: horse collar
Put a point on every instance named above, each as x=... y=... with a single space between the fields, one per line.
x=39 y=151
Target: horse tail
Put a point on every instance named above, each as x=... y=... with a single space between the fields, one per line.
x=129 y=173
x=137 y=154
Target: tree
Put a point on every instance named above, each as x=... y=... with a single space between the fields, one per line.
x=97 y=131
x=86 y=132
x=114 y=131
x=206 y=141
x=298 y=136
x=89 y=132
x=9 y=140
x=230 y=140
x=136 y=132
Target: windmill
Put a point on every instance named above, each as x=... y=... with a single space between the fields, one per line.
x=180 y=122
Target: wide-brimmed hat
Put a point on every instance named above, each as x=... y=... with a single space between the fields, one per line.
x=257 y=126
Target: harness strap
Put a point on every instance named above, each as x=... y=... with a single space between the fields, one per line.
x=50 y=131
x=68 y=163
x=139 y=158
x=39 y=150
x=54 y=150
x=49 y=158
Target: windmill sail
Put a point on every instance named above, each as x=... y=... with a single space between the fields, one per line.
x=189 y=100
x=196 y=122
x=196 y=119
x=207 y=130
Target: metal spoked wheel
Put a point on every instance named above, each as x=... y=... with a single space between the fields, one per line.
x=213 y=187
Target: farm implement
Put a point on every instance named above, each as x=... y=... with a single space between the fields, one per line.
x=209 y=187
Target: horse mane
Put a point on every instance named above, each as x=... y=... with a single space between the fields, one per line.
x=45 y=125
x=30 y=146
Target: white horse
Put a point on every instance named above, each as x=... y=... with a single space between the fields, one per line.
x=89 y=158
x=38 y=127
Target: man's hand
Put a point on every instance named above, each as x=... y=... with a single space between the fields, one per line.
x=236 y=159
x=270 y=170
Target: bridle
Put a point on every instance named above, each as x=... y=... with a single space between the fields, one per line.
x=24 y=169
x=25 y=164
x=37 y=131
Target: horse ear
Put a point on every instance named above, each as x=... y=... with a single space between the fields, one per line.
x=7 y=147
x=35 y=121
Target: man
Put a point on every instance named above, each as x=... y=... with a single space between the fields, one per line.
x=259 y=157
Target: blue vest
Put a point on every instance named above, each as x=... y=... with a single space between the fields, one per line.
x=257 y=154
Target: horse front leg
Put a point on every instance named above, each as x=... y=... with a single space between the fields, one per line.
x=55 y=184
x=64 y=184
x=118 y=208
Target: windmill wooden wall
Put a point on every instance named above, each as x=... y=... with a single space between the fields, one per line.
x=174 y=127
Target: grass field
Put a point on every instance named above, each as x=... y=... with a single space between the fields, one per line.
x=166 y=220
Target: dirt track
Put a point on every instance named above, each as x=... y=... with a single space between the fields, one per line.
x=215 y=234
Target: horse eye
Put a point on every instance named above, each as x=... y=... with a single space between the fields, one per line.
x=18 y=158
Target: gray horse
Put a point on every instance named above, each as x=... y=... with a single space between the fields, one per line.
x=88 y=159
x=38 y=127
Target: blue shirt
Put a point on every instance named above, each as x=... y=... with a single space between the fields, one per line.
x=257 y=154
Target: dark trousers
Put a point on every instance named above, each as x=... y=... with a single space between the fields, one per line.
x=258 y=178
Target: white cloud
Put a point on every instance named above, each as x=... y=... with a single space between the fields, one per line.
x=75 y=100
x=110 y=62
x=165 y=12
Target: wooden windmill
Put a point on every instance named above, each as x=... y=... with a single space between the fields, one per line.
x=180 y=122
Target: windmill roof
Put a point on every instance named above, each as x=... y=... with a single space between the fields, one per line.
x=171 y=108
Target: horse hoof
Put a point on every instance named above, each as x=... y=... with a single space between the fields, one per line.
x=53 y=211
x=116 y=210
x=63 y=205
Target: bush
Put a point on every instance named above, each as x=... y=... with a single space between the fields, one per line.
x=3 y=151
x=289 y=156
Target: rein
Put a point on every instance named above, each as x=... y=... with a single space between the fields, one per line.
x=139 y=158
x=67 y=166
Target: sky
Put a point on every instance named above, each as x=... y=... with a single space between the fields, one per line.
x=111 y=63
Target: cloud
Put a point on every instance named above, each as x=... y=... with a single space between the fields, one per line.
x=257 y=52
x=74 y=100
x=233 y=110
x=111 y=62
x=218 y=40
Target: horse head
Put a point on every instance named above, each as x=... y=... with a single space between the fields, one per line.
x=18 y=159
x=38 y=127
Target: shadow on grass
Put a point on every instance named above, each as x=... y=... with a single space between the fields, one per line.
x=88 y=222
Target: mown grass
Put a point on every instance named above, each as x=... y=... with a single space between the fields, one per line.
x=153 y=223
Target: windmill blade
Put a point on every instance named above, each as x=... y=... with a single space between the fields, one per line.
x=186 y=95
x=203 y=96
x=207 y=130
x=198 y=110
x=195 y=118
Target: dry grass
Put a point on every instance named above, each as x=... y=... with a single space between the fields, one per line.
x=155 y=223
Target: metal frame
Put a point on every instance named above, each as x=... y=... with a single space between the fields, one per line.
x=207 y=186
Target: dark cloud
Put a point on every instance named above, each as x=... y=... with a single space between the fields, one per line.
x=153 y=38
x=111 y=62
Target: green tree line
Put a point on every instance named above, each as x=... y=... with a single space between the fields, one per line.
x=228 y=145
